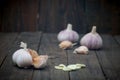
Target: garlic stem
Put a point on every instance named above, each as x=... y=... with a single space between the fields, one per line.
x=23 y=45
x=93 y=30
x=69 y=27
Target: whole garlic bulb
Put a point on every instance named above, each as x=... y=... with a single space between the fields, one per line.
x=22 y=58
x=68 y=34
x=81 y=50
x=92 y=40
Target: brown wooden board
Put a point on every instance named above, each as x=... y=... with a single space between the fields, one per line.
x=6 y=40
x=49 y=46
x=8 y=70
x=109 y=58
x=93 y=69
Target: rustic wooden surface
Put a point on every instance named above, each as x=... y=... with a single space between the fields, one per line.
x=101 y=64
x=54 y=15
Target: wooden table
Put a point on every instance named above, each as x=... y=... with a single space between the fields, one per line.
x=101 y=64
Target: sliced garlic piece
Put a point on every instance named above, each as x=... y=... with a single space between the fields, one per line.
x=58 y=67
x=66 y=69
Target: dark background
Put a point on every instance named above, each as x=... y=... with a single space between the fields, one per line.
x=53 y=15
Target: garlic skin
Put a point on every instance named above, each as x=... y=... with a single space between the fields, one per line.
x=92 y=40
x=22 y=58
x=66 y=44
x=68 y=34
x=81 y=50
x=40 y=61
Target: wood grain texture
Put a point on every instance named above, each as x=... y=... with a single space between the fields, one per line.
x=108 y=58
x=6 y=40
x=54 y=15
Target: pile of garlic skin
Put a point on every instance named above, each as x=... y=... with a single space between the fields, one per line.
x=27 y=57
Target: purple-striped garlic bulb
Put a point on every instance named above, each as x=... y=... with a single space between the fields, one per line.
x=68 y=34
x=92 y=40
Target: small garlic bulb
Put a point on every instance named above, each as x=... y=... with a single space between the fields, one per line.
x=22 y=58
x=66 y=44
x=40 y=61
x=81 y=50
x=68 y=34
x=92 y=40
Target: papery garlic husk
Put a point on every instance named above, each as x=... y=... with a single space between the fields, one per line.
x=68 y=34
x=22 y=58
x=40 y=61
x=81 y=50
x=66 y=44
x=92 y=40
x=33 y=53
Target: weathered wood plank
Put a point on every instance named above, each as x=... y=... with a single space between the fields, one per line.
x=10 y=72
x=49 y=46
x=93 y=69
x=109 y=58
x=118 y=39
x=6 y=40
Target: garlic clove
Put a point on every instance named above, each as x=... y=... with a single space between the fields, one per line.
x=33 y=53
x=40 y=61
x=81 y=50
x=92 y=39
x=68 y=34
x=65 y=44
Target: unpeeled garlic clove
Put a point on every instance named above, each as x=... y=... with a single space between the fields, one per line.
x=33 y=53
x=81 y=50
x=40 y=61
x=66 y=44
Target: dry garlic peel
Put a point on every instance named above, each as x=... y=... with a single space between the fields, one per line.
x=40 y=61
x=33 y=53
x=66 y=44
x=68 y=34
x=92 y=40
x=81 y=50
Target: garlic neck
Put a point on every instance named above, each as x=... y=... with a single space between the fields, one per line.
x=93 y=30
x=69 y=27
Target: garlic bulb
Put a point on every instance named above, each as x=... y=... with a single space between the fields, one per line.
x=66 y=44
x=28 y=57
x=92 y=40
x=22 y=58
x=68 y=34
x=81 y=50
x=40 y=61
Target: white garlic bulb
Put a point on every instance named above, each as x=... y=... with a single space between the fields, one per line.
x=92 y=40
x=22 y=58
x=68 y=34
x=81 y=50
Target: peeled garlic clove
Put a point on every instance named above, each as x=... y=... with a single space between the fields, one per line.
x=22 y=58
x=81 y=50
x=92 y=40
x=33 y=53
x=40 y=61
x=68 y=34
x=65 y=44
